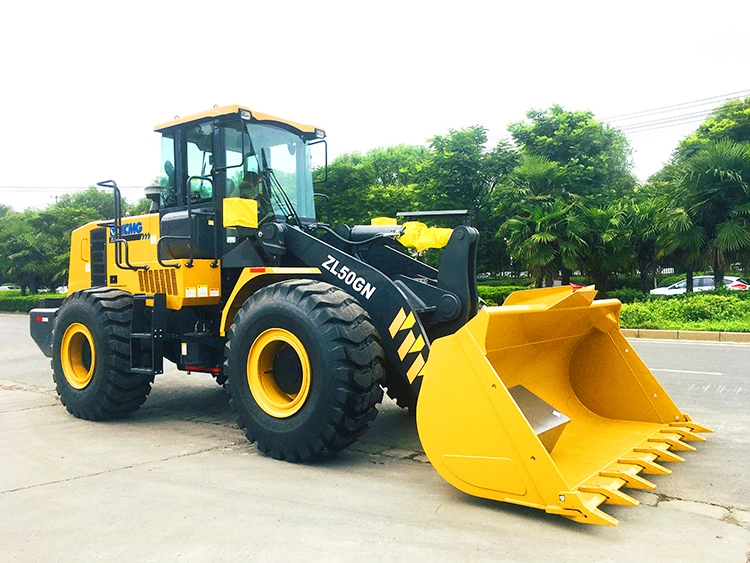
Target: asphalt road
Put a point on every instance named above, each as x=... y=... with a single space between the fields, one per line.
x=177 y=481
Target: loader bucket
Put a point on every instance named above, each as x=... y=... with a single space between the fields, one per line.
x=542 y=402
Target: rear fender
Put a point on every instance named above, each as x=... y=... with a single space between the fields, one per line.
x=251 y=280
x=40 y=326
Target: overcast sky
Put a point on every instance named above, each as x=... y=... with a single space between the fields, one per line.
x=83 y=84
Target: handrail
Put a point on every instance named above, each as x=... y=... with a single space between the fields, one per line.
x=117 y=226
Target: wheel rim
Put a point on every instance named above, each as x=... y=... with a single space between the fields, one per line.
x=278 y=372
x=78 y=355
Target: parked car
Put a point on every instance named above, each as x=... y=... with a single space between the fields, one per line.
x=574 y=285
x=700 y=283
x=9 y=287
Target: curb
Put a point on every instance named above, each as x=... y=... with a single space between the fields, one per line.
x=743 y=337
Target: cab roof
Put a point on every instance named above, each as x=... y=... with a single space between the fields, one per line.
x=231 y=110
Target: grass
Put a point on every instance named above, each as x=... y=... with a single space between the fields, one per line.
x=716 y=311
x=710 y=311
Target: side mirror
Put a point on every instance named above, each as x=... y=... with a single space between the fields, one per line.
x=328 y=207
x=316 y=156
x=153 y=194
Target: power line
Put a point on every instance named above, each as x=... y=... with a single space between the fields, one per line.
x=680 y=106
x=675 y=120
x=639 y=132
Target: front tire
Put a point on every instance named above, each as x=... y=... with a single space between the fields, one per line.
x=305 y=365
x=91 y=355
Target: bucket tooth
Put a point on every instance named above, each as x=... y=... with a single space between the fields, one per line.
x=649 y=466
x=632 y=480
x=694 y=426
x=685 y=434
x=612 y=493
x=662 y=453
x=673 y=441
x=583 y=508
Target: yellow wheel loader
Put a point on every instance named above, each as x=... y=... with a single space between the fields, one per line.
x=540 y=402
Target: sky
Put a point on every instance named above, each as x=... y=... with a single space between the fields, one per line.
x=83 y=84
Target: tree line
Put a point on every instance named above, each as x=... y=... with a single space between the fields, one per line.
x=35 y=244
x=557 y=197
x=560 y=196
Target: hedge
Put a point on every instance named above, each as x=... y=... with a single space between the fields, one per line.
x=714 y=311
x=12 y=302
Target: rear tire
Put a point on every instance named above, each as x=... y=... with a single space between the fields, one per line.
x=91 y=355
x=304 y=364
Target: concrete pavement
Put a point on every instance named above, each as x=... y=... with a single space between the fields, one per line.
x=177 y=481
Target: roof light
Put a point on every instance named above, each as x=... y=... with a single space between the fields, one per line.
x=319 y=133
x=246 y=115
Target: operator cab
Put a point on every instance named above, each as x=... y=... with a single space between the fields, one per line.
x=213 y=159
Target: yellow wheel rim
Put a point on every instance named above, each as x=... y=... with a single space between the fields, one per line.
x=78 y=355
x=278 y=372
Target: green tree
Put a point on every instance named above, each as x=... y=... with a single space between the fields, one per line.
x=101 y=201
x=140 y=207
x=462 y=173
x=547 y=235
x=356 y=183
x=399 y=165
x=608 y=250
x=729 y=121
x=28 y=256
x=680 y=239
x=593 y=157
x=642 y=214
x=717 y=188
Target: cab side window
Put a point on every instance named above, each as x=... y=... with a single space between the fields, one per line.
x=200 y=162
x=167 y=179
x=236 y=144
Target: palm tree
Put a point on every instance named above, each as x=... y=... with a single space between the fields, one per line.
x=545 y=229
x=31 y=260
x=678 y=237
x=608 y=250
x=548 y=237
x=717 y=188
x=642 y=222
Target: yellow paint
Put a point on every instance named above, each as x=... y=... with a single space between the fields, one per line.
x=397 y=322
x=409 y=339
x=231 y=110
x=409 y=322
x=418 y=345
x=260 y=374
x=419 y=236
x=239 y=212
x=183 y=286
x=253 y=279
x=388 y=221
x=78 y=355
x=566 y=349
x=415 y=369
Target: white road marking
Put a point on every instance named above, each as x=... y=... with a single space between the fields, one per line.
x=687 y=371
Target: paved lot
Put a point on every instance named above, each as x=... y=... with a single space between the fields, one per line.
x=178 y=482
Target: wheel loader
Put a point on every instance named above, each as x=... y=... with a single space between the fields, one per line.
x=540 y=402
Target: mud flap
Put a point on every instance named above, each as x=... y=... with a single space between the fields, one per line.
x=542 y=402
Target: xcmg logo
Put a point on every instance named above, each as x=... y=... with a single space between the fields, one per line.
x=130 y=231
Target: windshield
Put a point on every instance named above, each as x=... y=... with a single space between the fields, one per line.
x=280 y=154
